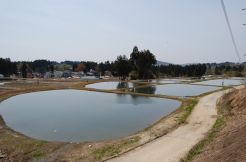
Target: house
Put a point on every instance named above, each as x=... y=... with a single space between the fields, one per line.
x=78 y=74
x=36 y=75
x=91 y=72
x=58 y=74
x=67 y=74
x=89 y=78
x=13 y=76
x=29 y=75
x=48 y=75
x=107 y=73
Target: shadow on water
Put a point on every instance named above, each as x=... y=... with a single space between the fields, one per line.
x=122 y=85
x=146 y=90
x=135 y=99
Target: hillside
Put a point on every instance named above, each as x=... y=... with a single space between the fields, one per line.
x=229 y=144
x=159 y=63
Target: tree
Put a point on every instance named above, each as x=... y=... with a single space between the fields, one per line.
x=217 y=71
x=74 y=67
x=24 y=70
x=122 y=65
x=41 y=66
x=143 y=61
x=52 y=68
x=7 y=67
x=80 y=67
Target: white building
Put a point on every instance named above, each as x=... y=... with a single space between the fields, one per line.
x=47 y=75
x=58 y=74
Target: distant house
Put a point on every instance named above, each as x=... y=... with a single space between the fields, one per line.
x=207 y=77
x=48 y=75
x=13 y=76
x=90 y=74
x=67 y=74
x=78 y=74
x=29 y=75
x=107 y=73
x=81 y=73
x=58 y=74
x=75 y=75
x=36 y=75
x=89 y=78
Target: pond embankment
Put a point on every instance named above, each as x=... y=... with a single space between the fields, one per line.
x=16 y=146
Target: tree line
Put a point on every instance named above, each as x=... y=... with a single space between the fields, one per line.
x=7 y=67
x=194 y=70
x=141 y=64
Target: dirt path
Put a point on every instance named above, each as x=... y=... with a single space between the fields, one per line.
x=176 y=144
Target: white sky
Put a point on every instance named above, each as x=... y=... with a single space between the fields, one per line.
x=187 y=31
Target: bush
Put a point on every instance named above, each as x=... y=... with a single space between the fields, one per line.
x=133 y=75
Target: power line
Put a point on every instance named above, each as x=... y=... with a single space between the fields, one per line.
x=230 y=30
x=244 y=10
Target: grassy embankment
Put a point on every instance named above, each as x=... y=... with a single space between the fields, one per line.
x=224 y=109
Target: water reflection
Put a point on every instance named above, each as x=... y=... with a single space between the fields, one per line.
x=73 y=115
x=128 y=85
x=110 y=85
x=146 y=90
x=133 y=99
x=122 y=85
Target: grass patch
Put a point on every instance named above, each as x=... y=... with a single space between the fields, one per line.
x=38 y=154
x=198 y=148
x=187 y=111
x=113 y=150
x=106 y=151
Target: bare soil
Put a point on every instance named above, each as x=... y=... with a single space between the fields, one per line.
x=230 y=143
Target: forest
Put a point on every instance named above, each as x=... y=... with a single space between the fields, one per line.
x=141 y=64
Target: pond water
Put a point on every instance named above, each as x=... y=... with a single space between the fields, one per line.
x=176 y=89
x=73 y=115
x=218 y=82
x=111 y=85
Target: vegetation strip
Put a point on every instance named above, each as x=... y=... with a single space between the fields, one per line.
x=187 y=111
x=198 y=148
x=218 y=126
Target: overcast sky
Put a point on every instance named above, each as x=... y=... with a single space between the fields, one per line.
x=176 y=31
